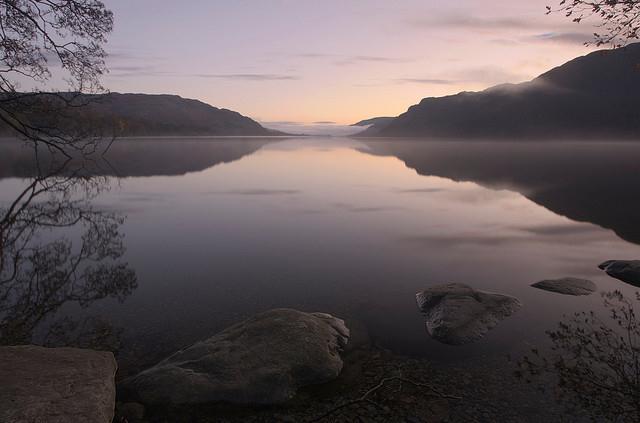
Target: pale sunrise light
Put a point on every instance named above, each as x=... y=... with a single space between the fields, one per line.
x=319 y=211
x=333 y=61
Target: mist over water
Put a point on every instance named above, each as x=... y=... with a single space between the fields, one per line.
x=324 y=129
x=236 y=227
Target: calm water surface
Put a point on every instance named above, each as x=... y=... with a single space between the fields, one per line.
x=218 y=230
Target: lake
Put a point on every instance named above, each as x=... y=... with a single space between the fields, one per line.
x=217 y=230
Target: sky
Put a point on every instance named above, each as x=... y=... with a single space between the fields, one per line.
x=331 y=62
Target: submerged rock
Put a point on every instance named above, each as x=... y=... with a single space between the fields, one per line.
x=625 y=270
x=458 y=314
x=567 y=286
x=263 y=360
x=56 y=385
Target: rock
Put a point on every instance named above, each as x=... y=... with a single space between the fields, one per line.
x=457 y=314
x=56 y=385
x=625 y=270
x=263 y=360
x=567 y=286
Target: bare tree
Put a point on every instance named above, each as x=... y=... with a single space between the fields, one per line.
x=42 y=265
x=35 y=37
x=618 y=20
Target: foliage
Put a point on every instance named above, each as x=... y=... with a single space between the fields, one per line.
x=595 y=361
x=619 y=20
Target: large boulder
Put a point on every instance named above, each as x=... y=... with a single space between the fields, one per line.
x=567 y=286
x=263 y=360
x=625 y=270
x=56 y=385
x=458 y=314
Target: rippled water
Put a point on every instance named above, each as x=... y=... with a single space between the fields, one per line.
x=217 y=230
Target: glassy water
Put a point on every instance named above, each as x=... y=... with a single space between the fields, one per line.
x=217 y=230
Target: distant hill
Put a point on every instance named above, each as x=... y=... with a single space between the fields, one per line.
x=594 y=96
x=132 y=115
x=378 y=122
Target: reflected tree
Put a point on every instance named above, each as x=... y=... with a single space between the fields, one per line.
x=595 y=361
x=618 y=20
x=56 y=248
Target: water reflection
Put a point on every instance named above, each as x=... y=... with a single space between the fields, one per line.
x=56 y=249
x=594 y=360
x=219 y=230
x=588 y=182
x=133 y=157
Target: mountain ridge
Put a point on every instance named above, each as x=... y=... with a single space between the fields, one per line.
x=380 y=120
x=136 y=115
x=591 y=96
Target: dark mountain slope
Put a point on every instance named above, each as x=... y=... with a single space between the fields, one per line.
x=593 y=96
x=378 y=122
x=142 y=115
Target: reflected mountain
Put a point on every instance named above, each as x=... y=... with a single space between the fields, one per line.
x=134 y=157
x=589 y=182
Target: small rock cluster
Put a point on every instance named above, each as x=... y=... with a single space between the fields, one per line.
x=267 y=360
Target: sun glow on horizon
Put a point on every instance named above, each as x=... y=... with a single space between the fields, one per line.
x=303 y=62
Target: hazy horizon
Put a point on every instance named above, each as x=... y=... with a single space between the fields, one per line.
x=444 y=229
x=242 y=55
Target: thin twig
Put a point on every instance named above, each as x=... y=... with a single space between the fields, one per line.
x=371 y=391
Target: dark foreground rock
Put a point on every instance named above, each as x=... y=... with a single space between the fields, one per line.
x=482 y=384
x=56 y=385
x=130 y=412
x=263 y=360
x=458 y=314
x=567 y=286
x=625 y=270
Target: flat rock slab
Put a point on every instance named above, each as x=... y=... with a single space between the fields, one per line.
x=56 y=385
x=458 y=314
x=625 y=270
x=567 y=286
x=263 y=360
